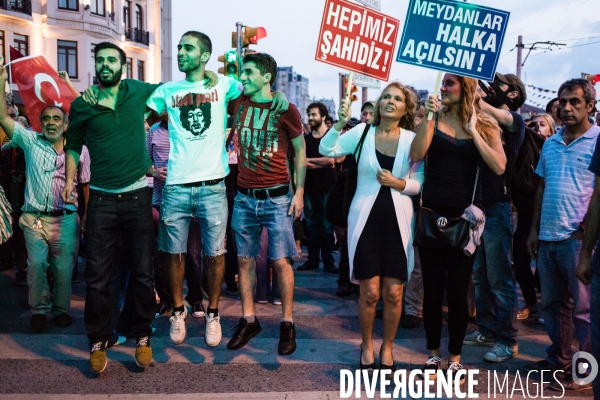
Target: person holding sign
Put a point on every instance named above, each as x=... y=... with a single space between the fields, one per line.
x=496 y=295
x=380 y=220
x=455 y=141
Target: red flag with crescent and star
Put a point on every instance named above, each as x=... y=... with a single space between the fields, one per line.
x=40 y=86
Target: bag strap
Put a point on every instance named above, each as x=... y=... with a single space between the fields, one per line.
x=359 y=146
x=434 y=129
x=475 y=187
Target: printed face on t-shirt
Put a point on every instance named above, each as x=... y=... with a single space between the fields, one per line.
x=195 y=118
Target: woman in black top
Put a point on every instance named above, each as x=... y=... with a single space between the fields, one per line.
x=456 y=140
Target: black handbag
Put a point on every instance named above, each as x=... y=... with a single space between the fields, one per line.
x=340 y=197
x=436 y=232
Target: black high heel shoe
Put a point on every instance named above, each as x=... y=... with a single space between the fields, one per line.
x=366 y=367
x=383 y=366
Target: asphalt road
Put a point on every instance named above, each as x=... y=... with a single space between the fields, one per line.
x=54 y=364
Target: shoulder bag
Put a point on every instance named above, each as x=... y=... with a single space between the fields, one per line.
x=437 y=232
x=340 y=197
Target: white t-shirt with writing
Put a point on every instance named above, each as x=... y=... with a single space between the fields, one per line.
x=196 y=128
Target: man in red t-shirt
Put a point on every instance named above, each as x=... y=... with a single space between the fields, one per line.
x=263 y=199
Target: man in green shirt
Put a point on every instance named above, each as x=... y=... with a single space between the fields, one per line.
x=120 y=199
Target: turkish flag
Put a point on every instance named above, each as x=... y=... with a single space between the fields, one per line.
x=40 y=87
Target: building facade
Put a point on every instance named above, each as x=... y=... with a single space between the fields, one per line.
x=295 y=88
x=66 y=31
x=330 y=104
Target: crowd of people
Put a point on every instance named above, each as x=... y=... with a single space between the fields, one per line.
x=230 y=202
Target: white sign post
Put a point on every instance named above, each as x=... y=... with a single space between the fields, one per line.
x=366 y=81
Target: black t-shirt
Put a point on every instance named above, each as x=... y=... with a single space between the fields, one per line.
x=319 y=180
x=494 y=187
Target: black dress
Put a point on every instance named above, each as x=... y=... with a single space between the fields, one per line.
x=380 y=251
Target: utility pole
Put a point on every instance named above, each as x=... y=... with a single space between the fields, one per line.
x=364 y=95
x=238 y=45
x=519 y=55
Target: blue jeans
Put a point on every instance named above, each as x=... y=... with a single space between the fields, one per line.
x=556 y=264
x=110 y=216
x=319 y=231
x=496 y=296
x=179 y=204
x=193 y=268
x=595 y=316
x=251 y=215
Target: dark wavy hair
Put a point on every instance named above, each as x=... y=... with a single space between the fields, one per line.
x=408 y=119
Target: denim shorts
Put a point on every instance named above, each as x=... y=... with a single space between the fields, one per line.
x=180 y=204
x=250 y=215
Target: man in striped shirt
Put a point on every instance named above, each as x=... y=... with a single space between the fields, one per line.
x=50 y=226
x=558 y=227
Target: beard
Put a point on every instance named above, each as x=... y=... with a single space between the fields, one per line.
x=110 y=82
x=315 y=124
x=493 y=100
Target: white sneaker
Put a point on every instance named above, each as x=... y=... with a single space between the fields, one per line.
x=213 y=335
x=178 y=330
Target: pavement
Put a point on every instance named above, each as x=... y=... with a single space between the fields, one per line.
x=54 y=365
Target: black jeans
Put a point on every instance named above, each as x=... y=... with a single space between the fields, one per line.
x=522 y=261
x=434 y=266
x=319 y=233
x=130 y=215
x=231 y=262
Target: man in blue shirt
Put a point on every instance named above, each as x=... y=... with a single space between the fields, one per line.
x=558 y=228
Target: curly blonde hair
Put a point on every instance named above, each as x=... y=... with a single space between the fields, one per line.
x=486 y=125
x=408 y=119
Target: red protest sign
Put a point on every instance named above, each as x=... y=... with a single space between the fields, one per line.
x=357 y=38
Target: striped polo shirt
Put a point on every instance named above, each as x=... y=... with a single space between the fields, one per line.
x=158 y=147
x=45 y=172
x=568 y=183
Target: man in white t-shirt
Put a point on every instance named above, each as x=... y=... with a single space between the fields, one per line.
x=195 y=187
x=195 y=184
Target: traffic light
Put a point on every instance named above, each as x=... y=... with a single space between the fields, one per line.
x=249 y=36
x=353 y=89
x=231 y=61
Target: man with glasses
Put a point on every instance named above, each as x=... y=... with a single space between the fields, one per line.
x=51 y=227
x=495 y=285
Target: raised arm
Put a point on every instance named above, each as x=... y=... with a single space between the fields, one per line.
x=491 y=151
x=65 y=76
x=425 y=132
x=504 y=117
x=7 y=123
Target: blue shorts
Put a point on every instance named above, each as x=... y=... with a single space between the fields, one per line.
x=250 y=215
x=181 y=203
